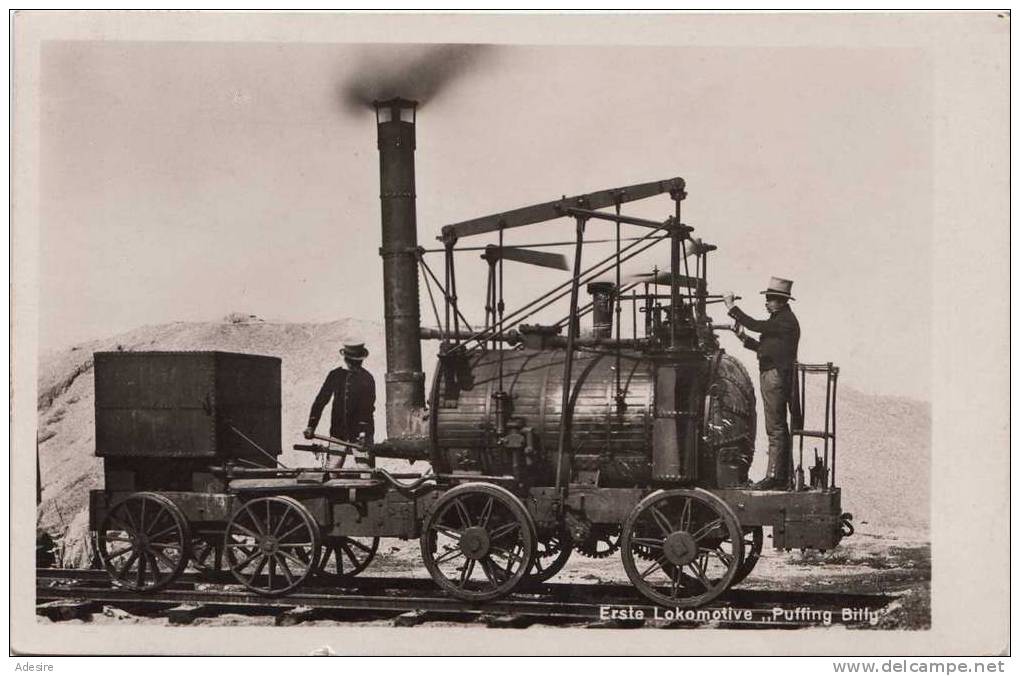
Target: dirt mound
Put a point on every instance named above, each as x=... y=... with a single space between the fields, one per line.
x=884 y=441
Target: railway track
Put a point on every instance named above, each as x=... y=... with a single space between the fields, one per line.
x=77 y=594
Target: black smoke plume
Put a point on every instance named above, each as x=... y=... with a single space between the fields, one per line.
x=418 y=73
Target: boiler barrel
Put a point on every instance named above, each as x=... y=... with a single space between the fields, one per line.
x=615 y=441
x=465 y=413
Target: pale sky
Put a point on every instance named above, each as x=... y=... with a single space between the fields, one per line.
x=184 y=181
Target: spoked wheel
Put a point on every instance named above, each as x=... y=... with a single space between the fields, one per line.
x=478 y=541
x=345 y=556
x=551 y=553
x=753 y=540
x=143 y=542
x=695 y=542
x=207 y=552
x=272 y=544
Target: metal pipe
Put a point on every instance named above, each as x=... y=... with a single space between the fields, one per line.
x=665 y=296
x=341 y=442
x=428 y=333
x=412 y=448
x=601 y=307
x=405 y=381
x=587 y=307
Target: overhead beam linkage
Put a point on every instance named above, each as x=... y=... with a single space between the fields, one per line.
x=559 y=208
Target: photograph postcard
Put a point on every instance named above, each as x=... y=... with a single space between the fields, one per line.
x=510 y=333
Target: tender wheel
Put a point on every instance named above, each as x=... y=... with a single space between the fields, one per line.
x=347 y=556
x=272 y=544
x=143 y=542
x=696 y=542
x=551 y=553
x=753 y=540
x=478 y=541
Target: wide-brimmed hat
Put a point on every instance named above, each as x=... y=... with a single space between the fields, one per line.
x=355 y=351
x=779 y=287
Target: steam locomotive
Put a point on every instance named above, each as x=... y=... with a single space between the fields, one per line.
x=543 y=440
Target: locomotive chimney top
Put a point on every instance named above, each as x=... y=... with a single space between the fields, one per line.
x=395 y=109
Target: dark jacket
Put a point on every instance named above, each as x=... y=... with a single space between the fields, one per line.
x=777 y=345
x=353 y=394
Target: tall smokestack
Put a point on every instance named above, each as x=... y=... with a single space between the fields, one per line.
x=405 y=381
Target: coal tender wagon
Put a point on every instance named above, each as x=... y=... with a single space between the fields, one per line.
x=633 y=435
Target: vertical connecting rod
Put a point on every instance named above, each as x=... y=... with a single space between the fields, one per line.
x=616 y=290
x=499 y=309
x=676 y=247
x=568 y=361
x=633 y=314
x=828 y=405
x=648 y=306
x=490 y=301
x=703 y=291
x=448 y=269
x=834 y=373
x=802 y=396
x=451 y=291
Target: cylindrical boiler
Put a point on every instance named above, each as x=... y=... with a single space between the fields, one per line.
x=610 y=442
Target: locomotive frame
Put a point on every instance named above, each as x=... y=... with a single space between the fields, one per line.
x=509 y=495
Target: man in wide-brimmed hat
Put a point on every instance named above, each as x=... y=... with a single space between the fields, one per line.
x=352 y=390
x=777 y=353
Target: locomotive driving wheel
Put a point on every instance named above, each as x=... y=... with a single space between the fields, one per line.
x=478 y=541
x=345 y=556
x=696 y=543
x=272 y=544
x=552 y=550
x=143 y=542
x=753 y=540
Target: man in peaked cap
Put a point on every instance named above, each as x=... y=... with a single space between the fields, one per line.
x=352 y=390
x=777 y=353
